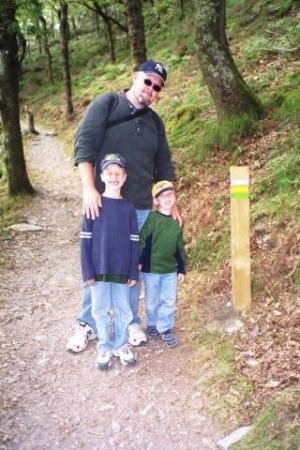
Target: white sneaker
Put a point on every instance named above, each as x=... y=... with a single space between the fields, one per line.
x=103 y=359
x=80 y=339
x=125 y=354
x=135 y=335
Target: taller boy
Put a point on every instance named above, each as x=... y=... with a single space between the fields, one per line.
x=109 y=260
x=123 y=121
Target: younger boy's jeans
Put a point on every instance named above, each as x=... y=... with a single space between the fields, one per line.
x=112 y=313
x=86 y=315
x=160 y=299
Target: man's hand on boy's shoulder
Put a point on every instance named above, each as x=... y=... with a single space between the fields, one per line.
x=91 y=203
x=176 y=214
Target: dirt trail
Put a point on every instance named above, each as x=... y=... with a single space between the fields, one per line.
x=52 y=399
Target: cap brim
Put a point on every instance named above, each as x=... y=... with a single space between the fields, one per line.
x=103 y=166
x=164 y=190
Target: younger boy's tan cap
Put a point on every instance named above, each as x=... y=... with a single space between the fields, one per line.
x=160 y=187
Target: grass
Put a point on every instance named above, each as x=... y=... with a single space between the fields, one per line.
x=277 y=193
x=10 y=212
x=215 y=357
x=210 y=251
x=277 y=427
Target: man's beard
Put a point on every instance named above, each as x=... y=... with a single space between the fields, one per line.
x=141 y=99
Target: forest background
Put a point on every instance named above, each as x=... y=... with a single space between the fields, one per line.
x=254 y=370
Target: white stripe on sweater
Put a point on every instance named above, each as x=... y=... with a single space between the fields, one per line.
x=85 y=235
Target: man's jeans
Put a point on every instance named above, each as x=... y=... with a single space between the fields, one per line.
x=160 y=300
x=112 y=314
x=134 y=293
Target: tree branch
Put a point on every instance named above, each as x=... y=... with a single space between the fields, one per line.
x=106 y=17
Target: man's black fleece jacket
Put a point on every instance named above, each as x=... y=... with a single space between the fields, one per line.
x=142 y=141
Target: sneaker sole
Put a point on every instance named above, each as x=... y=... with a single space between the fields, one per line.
x=128 y=363
x=103 y=366
x=134 y=344
x=153 y=336
x=71 y=350
x=170 y=346
x=125 y=363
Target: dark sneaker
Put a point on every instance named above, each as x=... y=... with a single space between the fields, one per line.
x=169 y=338
x=152 y=331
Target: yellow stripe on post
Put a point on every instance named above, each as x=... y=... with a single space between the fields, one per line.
x=240 y=237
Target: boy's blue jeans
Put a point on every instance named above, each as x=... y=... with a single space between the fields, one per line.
x=112 y=313
x=134 y=293
x=160 y=299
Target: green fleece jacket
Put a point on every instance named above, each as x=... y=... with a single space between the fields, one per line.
x=161 y=245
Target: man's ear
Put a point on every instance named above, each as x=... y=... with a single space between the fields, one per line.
x=101 y=176
x=155 y=202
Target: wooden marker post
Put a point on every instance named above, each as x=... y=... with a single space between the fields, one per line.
x=240 y=237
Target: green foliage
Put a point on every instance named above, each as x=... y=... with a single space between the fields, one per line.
x=226 y=135
x=290 y=107
x=280 y=8
x=254 y=47
x=209 y=251
x=277 y=192
x=277 y=426
x=282 y=172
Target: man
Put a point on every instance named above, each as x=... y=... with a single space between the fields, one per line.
x=123 y=123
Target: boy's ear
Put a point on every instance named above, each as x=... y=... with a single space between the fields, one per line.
x=155 y=202
x=101 y=176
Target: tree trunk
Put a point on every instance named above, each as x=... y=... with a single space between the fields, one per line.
x=30 y=120
x=181 y=9
x=97 y=24
x=229 y=91
x=65 y=35
x=111 y=42
x=136 y=32
x=18 y=181
x=47 y=48
x=111 y=38
x=74 y=27
x=38 y=36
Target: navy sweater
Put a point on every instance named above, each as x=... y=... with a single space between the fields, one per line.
x=110 y=243
x=142 y=141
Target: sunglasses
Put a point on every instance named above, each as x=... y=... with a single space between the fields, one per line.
x=155 y=87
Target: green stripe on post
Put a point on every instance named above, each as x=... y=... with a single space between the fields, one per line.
x=239 y=195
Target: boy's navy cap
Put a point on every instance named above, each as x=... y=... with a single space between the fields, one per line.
x=156 y=67
x=113 y=158
x=160 y=187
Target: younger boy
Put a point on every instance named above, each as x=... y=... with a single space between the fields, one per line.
x=162 y=259
x=109 y=260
